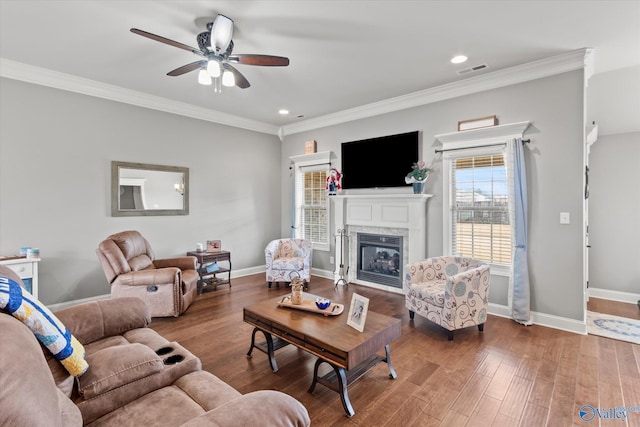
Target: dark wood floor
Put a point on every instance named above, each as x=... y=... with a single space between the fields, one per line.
x=509 y=375
x=614 y=308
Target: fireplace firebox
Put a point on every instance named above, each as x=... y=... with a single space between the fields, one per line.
x=380 y=259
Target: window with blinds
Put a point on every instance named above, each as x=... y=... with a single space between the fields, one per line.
x=311 y=203
x=480 y=208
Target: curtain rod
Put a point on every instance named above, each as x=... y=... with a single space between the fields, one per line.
x=315 y=164
x=524 y=141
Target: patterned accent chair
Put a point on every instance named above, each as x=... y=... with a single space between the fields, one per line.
x=449 y=291
x=288 y=258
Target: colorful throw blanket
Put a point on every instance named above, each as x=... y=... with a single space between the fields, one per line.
x=44 y=324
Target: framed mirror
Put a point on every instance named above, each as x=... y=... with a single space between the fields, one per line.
x=140 y=189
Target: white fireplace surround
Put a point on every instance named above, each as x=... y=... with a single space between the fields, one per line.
x=389 y=214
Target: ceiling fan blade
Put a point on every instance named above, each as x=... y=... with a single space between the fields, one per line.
x=187 y=68
x=265 y=60
x=241 y=81
x=167 y=41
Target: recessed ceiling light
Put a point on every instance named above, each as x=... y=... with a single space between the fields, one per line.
x=458 y=59
x=283 y=111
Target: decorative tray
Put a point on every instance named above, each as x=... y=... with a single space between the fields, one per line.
x=309 y=304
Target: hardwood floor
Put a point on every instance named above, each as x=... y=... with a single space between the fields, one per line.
x=614 y=308
x=509 y=375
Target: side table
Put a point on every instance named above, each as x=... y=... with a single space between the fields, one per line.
x=210 y=278
x=26 y=268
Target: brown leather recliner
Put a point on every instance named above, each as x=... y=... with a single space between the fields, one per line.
x=168 y=286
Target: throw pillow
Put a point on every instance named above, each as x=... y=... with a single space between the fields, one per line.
x=44 y=325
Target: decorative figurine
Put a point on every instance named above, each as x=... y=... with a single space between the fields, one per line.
x=333 y=182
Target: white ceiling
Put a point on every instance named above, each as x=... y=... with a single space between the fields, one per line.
x=344 y=54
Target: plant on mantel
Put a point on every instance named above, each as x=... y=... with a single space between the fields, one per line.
x=419 y=173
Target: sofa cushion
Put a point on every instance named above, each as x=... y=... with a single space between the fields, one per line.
x=116 y=366
x=288 y=264
x=430 y=292
x=188 y=397
x=44 y=325
x=26 y=383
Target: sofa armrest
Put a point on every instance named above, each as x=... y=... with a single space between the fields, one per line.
x=259 y=408
x=183 y=263
x=151 y=276
x=469 y=293
x=95 y=320
x=270 y=252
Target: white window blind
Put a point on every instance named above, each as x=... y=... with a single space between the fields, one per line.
x=311 y=205
x=479 y=206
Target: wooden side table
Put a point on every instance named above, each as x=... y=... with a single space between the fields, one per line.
x=210 y=278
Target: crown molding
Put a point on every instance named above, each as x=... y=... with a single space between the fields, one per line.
x=42 y=76
x=570 y=61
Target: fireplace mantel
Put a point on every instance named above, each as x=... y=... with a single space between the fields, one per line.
x=390 y=213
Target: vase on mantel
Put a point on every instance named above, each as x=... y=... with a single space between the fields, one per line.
x=418 y=187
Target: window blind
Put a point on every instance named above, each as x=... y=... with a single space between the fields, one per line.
x=480 y=224
x=311 y=205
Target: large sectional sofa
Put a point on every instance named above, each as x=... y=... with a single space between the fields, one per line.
x=134 y=377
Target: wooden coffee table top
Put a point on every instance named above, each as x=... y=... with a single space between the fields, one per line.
x=328 y=337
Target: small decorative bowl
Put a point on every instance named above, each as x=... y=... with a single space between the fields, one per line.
x=323 y=303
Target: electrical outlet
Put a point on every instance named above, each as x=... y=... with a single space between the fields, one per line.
x=565 y=218
x=331 y=260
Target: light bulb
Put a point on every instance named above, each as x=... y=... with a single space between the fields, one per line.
x=213 y=68
x=228 y=79
x=204 y=78
x=217 y=87
x=221 y=33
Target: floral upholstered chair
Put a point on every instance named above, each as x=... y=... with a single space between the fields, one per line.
x=449 y=291
x=288 y=258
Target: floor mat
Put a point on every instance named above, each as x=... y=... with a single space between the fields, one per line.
x=619 y=328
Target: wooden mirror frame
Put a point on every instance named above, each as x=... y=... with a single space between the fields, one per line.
x=115 y=189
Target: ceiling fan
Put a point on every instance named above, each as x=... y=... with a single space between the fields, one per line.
x=216 y=49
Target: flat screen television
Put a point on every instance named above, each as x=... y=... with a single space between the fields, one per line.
x=379 y=162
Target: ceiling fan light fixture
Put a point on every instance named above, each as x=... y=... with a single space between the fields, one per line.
x=228 y=79
x=204 y=78
x=221 y=33
x=213 y=68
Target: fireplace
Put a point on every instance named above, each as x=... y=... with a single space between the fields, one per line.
x=380 y=259
x=397 y=222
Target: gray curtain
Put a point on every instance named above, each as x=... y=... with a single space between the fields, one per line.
x=521 y=292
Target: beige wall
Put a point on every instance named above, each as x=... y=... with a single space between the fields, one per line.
x=614 y=209
x=56 y=148
x=554 y=161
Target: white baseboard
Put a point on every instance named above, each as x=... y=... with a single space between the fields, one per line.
x=67 y=304
x=542 y=319
x=619 y=296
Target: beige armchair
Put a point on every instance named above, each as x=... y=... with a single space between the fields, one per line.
x=168 y=286
x=288 y=258
x=449 y=291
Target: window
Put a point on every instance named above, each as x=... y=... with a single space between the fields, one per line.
x=311 y=210
x=480 y=225
x=478 y=215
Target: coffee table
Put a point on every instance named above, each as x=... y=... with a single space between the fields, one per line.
x=350 y=353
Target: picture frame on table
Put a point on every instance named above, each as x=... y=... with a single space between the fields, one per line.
x=358 y=312
x=214 y=245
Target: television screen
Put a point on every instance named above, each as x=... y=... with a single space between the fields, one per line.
x=379 y=162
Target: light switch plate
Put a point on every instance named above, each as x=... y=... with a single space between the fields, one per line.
x=565 y=218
